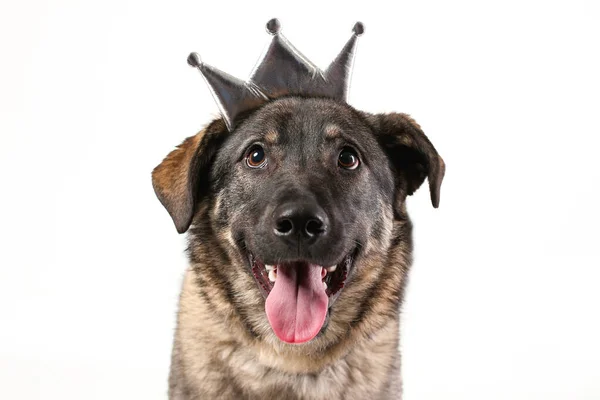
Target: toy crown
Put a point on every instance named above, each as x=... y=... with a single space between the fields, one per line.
x=282 y=70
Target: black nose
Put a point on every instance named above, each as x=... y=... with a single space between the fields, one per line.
x=300 y=221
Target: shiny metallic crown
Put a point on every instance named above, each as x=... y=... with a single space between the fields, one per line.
x=282 y=70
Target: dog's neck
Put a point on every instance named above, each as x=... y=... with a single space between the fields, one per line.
x=216 y=351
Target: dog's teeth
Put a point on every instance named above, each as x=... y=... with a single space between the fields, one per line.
x=332 y=268
x=270 y=267
x=272 y=275
x=324 y=286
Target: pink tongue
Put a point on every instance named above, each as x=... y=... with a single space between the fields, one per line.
x=297 y=305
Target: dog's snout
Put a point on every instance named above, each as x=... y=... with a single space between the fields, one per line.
x=300 y=221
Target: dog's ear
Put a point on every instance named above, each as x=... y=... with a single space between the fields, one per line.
x=182 y=177
x=411 y=153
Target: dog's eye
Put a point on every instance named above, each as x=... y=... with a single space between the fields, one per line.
x=348 y=159
x=256 y=157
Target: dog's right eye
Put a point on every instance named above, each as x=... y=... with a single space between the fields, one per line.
x=256 y=157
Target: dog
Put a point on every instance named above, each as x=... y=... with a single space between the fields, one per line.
x=299 y=249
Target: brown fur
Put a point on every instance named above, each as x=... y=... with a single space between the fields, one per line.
x=224 y=347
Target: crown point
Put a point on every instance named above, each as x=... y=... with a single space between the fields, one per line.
x=194 y=60
x=273 y=26
x=359 y=28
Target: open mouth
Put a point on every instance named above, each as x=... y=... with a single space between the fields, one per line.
x=298 y=295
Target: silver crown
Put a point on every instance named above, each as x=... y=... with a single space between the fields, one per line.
x=282 y=70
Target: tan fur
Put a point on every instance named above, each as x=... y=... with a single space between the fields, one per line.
x=332 y=131
x=271 y=136
x=224 y=366
x=171 y=175
x=214 y=356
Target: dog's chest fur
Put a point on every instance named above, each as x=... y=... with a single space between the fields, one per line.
x=209 y=363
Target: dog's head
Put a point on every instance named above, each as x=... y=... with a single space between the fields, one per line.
x=301 y=209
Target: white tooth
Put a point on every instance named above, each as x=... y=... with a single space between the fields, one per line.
x=324 y=286
x=332 y=268
x=272 y=275
x=270 y=267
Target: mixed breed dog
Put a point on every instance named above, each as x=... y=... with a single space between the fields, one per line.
x=299 y=243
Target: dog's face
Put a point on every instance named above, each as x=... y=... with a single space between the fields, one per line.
x=304 y=186
x=306 y=199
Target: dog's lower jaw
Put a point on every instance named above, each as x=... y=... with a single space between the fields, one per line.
x=217 y=364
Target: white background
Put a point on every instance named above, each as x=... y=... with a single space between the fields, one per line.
x=504 y=296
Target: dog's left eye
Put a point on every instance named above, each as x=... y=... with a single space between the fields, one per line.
x=256 y=157
x=348 y=159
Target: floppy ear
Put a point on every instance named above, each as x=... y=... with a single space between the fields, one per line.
x=181 y=178
x=411 y=154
